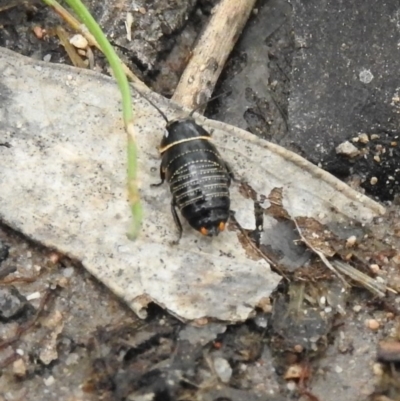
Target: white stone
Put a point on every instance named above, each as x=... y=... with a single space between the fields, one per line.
x=79 y=41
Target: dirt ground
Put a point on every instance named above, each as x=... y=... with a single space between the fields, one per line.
x=79 y=342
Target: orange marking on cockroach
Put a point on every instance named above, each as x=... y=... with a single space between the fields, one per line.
x=203 y=230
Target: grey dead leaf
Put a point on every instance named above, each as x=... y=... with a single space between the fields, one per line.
x=62 y=183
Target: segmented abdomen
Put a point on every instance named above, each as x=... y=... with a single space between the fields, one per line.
x=198 y=176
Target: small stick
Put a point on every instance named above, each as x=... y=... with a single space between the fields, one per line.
x=321 y=255
x=211 y=52
x=367 y=282
x=10 y=280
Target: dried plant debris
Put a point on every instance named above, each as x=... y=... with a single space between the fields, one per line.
x=339 y=257
x=325 y=244
x=160 y=359
x=352 y=242
x=71 y=194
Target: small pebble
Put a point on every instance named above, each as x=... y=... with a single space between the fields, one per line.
x=385 y=260
x=63 y=282
x=19 y=368
x=374 y=268
x=49 y=381
x=366 y=76
x=265 y=304
x=377 y=158
x=377 y=369
x=374 y=136
x=68 y=272
x=291 y=386
x=298 y=348
x=79 y=41
x=390 y=316
x=37 y=268
x=142 y=10
x=201 y=321
x=34 y=295
x=72 y=359
x=338 y=369
x=38 y=31
x=223 y=369
x=261 y=321
x=293 y=372
x=347 y=149
x=350 y=242
x=54 y=257
x=373 y=180
x=357 y=308
x=363 y=138
x=373 y=324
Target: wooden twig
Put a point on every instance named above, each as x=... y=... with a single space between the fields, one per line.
x=211 y=52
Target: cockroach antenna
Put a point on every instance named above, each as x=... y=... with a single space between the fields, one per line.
x=156 y=107
x=208 y=101
x=191 y=113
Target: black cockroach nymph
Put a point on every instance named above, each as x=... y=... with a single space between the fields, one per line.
x=198 y=177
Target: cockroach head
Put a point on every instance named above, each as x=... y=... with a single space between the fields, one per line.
x=180 y=131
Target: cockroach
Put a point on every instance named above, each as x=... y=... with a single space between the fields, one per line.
x=198 y=177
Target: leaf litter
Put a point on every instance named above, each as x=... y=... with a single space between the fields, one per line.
x=63 y=186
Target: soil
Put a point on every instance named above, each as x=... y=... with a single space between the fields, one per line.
x=79 y=342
